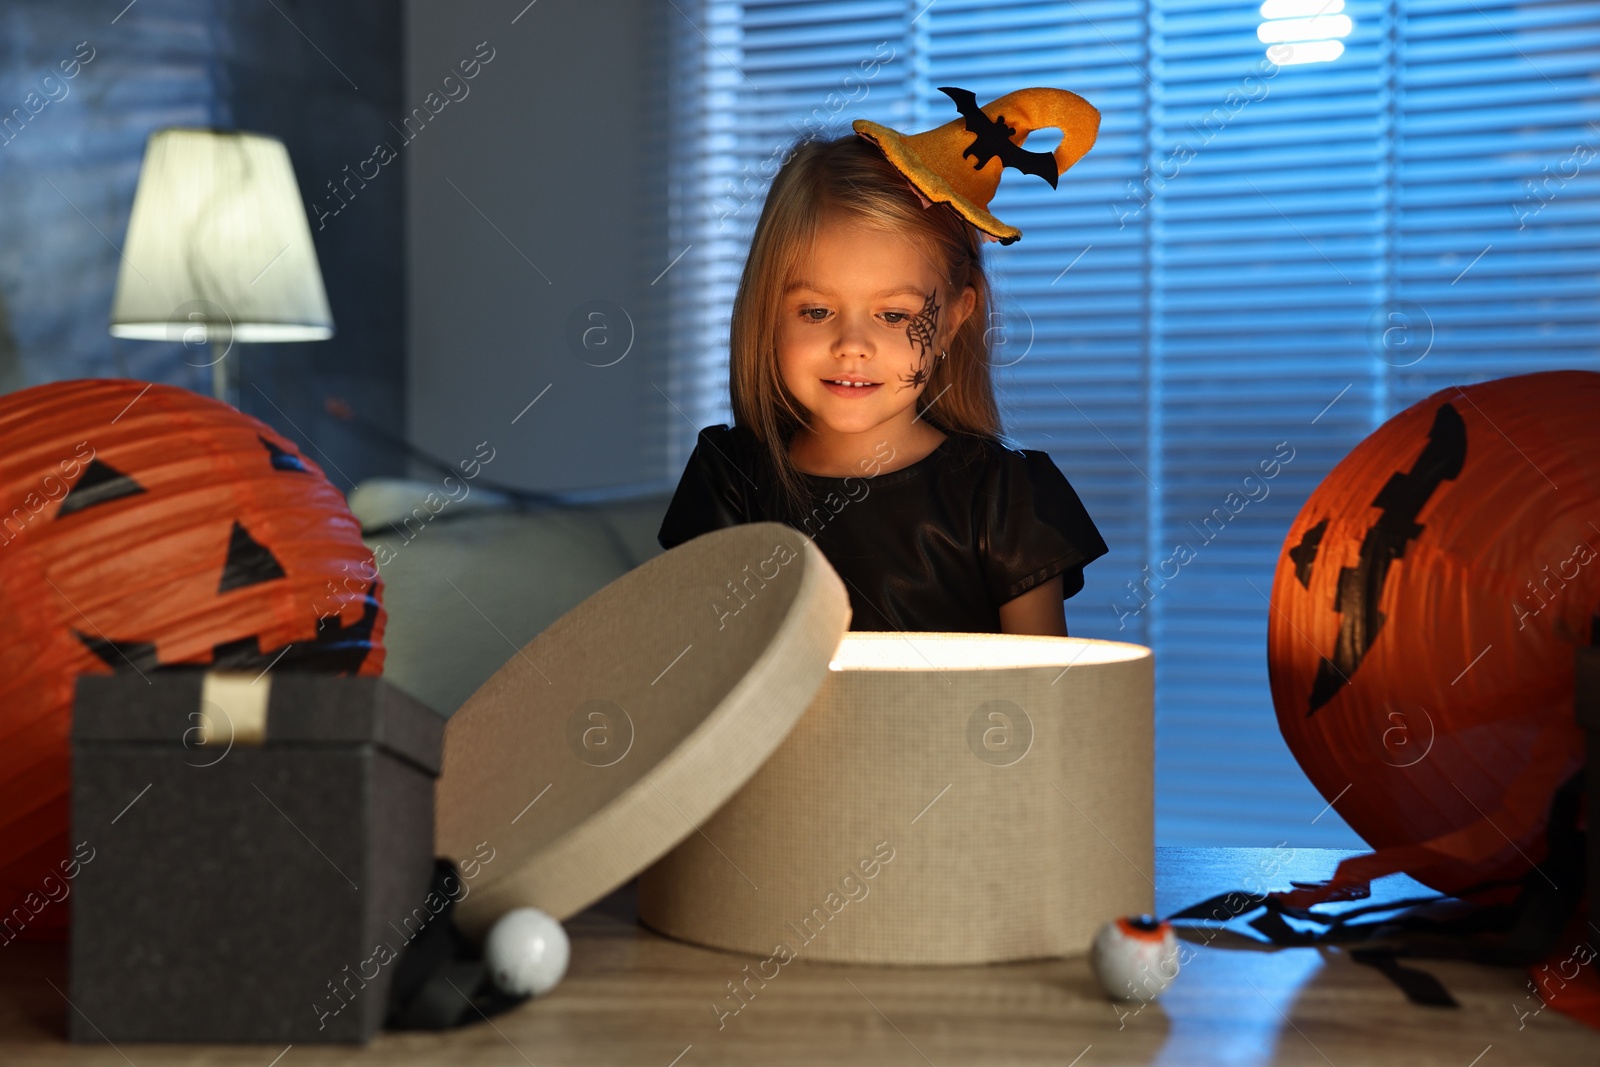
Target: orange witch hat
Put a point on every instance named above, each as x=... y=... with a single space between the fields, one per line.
x=960 y=162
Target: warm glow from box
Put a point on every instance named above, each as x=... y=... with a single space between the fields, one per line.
x=882 y=651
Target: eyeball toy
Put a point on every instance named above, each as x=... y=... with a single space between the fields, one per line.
x=1135 y=957
x=526 y=952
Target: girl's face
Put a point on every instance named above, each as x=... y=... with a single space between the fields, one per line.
x=865 y=305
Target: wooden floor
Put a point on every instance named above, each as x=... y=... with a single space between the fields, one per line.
x=632 y=997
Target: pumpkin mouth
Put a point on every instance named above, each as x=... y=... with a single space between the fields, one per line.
x=337 y=648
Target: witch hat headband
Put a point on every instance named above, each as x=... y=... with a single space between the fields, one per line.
x=960 y=162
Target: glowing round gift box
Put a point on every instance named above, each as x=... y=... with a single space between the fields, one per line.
x=787 y=787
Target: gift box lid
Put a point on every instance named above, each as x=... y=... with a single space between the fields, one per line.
x=608 y=738
x=206 y=710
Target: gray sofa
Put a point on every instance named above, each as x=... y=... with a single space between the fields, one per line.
x=468 y=583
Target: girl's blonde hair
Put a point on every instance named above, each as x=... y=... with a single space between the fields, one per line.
x=849 y=177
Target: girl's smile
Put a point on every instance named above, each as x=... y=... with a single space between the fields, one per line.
x=851 y=387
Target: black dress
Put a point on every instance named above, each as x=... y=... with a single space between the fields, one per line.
x=935 y=546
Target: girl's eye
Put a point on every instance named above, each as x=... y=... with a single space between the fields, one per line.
x=821 y=314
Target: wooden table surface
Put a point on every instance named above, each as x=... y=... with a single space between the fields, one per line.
x=633 y=997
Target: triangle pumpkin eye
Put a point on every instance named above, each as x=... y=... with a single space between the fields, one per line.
x=101 y=483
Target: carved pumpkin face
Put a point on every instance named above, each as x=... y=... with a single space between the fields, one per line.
x=143 y=527
x=1425 y=610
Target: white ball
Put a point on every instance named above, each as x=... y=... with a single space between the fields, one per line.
x=1135 y=958
x=526 y=952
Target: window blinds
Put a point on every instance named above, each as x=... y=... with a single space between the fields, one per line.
x=1256 y=262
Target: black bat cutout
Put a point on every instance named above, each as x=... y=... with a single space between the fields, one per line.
x=1360 y=587
x=992 y=137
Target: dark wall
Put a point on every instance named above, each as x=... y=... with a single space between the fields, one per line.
x=325 y=78
x=537 y=230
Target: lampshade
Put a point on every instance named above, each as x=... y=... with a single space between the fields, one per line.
x=218 y=246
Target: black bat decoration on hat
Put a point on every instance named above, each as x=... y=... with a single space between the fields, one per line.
x=992 y=137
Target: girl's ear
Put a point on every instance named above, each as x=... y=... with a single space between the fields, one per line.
x=960 y=311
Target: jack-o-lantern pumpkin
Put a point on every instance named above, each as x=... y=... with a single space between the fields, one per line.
x=143 y=527
x=1425 y=611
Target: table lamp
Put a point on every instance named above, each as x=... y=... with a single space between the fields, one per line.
x=218 y=250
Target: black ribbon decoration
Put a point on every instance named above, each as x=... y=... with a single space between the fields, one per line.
x=441 y=981
x=1520 y=933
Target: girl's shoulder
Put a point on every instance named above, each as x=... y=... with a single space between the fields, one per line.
x=1035 y=526
x=717 y=487
x=728 y=448
x=1000 y=458
x=989 y=458
x=1018 y=483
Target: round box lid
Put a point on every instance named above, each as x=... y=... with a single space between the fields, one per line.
x=612 y=735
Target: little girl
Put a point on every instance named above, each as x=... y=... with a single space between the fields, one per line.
x=864 y=411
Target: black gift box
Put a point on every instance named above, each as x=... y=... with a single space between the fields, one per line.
x=254 y=843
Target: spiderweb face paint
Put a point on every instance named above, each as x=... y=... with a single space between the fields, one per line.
x=921 y=329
